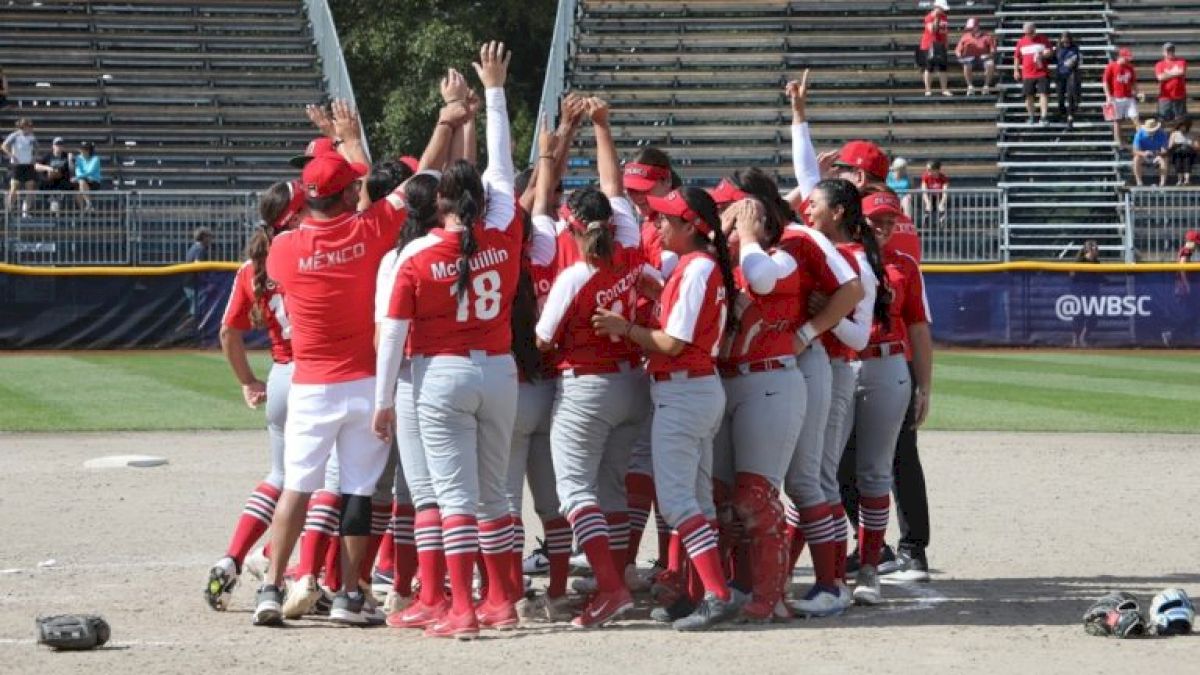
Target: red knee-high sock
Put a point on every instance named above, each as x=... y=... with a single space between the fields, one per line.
x=840 y=535
x=618 y=539
x=818 y=527
x=591 y=531
x=381 y=514
x=386 y=562
x=700 y=539
x=321 y=524
x=254 y=521
x=639 y=497
x=460 y=536
x=404 y=548
x=558 y=550
x=495 y=545
x=333 y=565
x=676 y=556
x=431 y=560
x=872 y=525
x=795 y=536
x=515 y=566
x=664 y=537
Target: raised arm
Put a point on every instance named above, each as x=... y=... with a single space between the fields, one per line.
x=492 y=69
x=450 y=119
x=804 y=155
x=454 y=89
x=542 y=245
x=607 y=164
x=348 y=130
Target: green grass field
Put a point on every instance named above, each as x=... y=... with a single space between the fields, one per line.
x=974 y=390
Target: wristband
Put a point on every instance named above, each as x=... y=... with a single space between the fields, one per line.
x=552 y=158
x=807 y=333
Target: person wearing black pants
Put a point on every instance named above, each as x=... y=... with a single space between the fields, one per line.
x=1066 y=73
x=912 y=505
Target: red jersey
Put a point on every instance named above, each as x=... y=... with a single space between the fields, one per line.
x=692 y=309
x=270 y=308
x=1175 y=88
x=822 y=268
x=904 y=239
x=937 y=30
x=833 y=346
x=651 y=243
x=766 y=323
x=971 y=45
x=935 y=181
x=1120 y=78
x=1034 y=52
x=326 y=270
x=909 y=304
x=578 y=292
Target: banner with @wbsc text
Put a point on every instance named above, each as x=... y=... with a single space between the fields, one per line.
x=1011 y=304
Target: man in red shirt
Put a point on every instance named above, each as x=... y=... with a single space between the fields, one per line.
x=934 y=195
x=1121 y=92
x=977 y=51
x=932 y=54
x=1029 y=67
x=1172 y=86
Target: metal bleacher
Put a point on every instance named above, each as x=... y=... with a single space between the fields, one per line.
x=704 y=80
x=204 y=94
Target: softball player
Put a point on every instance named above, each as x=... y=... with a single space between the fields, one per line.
x=884 y=390
x=603 y=402
x=255 y=302
x=687 y=395
x=455 y=290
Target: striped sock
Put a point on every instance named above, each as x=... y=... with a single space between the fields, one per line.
x=495 y=543
x=431 y=560
x=321 y=523
x=518 y=552
x=872 y=525
x=639 y=490
x=841 y=533
x=664 y=536
x=795 y=536
x=591 y=531
x=460 y=537
x=381 y=515
x=700 y=539
x=404 y=548
x=819 y=528
x=558 y=550
x=254 y=521
x=618 y=538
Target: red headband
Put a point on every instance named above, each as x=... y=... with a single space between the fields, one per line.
x=295 y=205
x=726 y=193
x=675 y=205
x=642 y=177
x=578 y=226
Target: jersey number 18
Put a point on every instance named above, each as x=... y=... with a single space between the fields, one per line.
x=486 y=289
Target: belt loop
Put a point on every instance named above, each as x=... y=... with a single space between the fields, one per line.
x=569 y=372
x=743 y=368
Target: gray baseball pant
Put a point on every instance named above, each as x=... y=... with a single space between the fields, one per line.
x=803 y=481
x=412 y=471
x=881 y=401
x=687 y=414
x=597 y=418
x=762 y=420
x=531 y=454
x=466 y=406
x=837 y=431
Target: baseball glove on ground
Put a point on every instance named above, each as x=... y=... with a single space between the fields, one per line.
x=72 y=631
x=1116 y=614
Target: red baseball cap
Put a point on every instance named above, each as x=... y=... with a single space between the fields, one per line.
x=411 y=162
x=880 y=204
x=674 y=204
x=726 y=193
x=642 y=177
x=864 y=155
x=1192 y=236
x=1125 y=53
x=328 y=174
x=316 y=147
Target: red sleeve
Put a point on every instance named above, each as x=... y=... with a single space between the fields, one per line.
x=915 y=309
x=280 y=260
x=813 y=259
x=404 y=294
x=1159 y=68
x=384 y=218
x=1107 y=77
x=241 y=299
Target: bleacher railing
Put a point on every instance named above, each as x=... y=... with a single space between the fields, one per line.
x=329 y=48
x=960 y=224
x=556 y=65
x=1158 y=219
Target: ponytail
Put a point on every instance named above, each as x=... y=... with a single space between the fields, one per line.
x=859 y=230
x=256 y=251
x=588 y=212
x=467 y=211
x=460 y=193
x=702 y=203
x=421 y=194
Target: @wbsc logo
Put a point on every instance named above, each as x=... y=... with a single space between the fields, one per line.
x=1067 y=307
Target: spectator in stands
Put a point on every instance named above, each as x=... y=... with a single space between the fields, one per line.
x=977 y=51
x=3 y=87
x=87 y=173
x=56 y=169
x=20 y=147
x=196 y=287
x=1172 y=86
x=1084 y=285
x=1182 y=149
x=901 y=184
x=1033 y=52
x=933 y=191
x=1150 y=146
x=931 y=55
x=1070 y=87
x=1121 y=94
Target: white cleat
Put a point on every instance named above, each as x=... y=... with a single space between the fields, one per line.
x=866 y=586
x=222 y=578
x=257 y=564
x=396 y=603
x=819 y=602
x=302 y=595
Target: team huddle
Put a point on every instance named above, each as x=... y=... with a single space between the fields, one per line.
x=442 y=336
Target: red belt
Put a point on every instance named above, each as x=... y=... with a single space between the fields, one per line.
x=762 y=366
x=683 y=374
x=881 y=350
x=466 y=354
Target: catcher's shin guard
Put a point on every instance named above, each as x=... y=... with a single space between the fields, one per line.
x=758 y=504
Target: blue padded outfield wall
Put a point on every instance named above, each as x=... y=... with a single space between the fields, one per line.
x=1003 y=305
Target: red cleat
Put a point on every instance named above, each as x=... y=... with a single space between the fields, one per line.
x=604 y=607
x=501 y=616
x=418 y=615
x=462 y=626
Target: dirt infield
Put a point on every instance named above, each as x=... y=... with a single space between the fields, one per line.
x=1027 y=530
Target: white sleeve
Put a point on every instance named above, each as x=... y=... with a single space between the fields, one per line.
x=685 y=313
x=562 y=294
x=758 y=268
x=392 y=335
x=855 y=332
x=543 y=244
x=669 y=261
x=652 y=272
x=499 y=175
x=629 y=231
x=804 y=160
x=385 y=281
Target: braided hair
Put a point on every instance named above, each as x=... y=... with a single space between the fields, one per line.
x=843 y=193
x=589 y=213
x=460 y=192
x=702 y=203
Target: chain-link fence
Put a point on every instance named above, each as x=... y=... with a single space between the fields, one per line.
x=1159 y=219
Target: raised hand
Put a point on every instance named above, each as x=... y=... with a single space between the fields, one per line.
x=320 y=119
x=345 y=121
x=572 y=110
x=454 y=87
x=455 y=114
x=797 y=91
x=598 y=110
x=547 y=139
x=492 y=67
